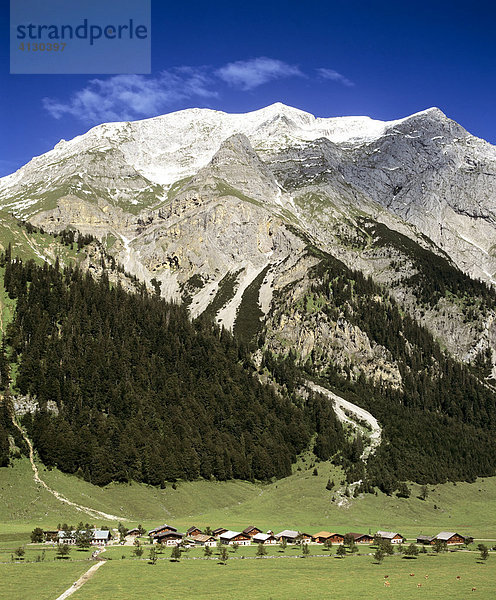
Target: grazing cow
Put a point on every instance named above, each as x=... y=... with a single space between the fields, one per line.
x=386 y=576
x=458 y=577
x=387 y=584
x=419 y=585
x=474 y=589
x=412 y=574
x=426 y=576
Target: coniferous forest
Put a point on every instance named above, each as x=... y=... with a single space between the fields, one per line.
x=441 y=424
x=141 y=392
x=129 y=387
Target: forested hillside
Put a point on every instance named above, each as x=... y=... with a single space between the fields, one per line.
x=141 y=391
x=439 y=422
x=129 y=387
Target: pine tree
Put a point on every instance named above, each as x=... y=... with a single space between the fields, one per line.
x=175 y=554
x=484 y=551
x=63 y=550
x=403 y=490
x=224 y=555
x=411 y=551
x=37 y=535
x=379 y=555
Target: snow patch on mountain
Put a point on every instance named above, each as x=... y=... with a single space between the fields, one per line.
x=176 y=145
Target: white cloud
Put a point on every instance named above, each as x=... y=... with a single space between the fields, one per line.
x=334 y=76
x=129 y=97
x=126 y=97
x=249 y=74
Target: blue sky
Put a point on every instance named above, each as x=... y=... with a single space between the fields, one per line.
x=382 y=59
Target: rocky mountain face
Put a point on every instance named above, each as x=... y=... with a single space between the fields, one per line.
x=233 y=213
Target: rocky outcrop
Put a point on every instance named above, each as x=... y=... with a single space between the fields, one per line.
x=201 y=203
x=23 y=405
x=297 y=323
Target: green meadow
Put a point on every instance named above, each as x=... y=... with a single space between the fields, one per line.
x=38 y=581
x=300 y=501
x=283 y=578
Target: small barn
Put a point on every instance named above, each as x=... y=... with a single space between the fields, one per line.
x=101 y=537
x=133 y=532
x=391 y=536
x=235 y=537
x=219 y=531
x=293 y=537
x=51 y=535
x=66 y=537
x=264 y=538
x=450 y=537
x=193 y=530
x=361 y=538
x=204 y=539
x=289 y=535
x=424 y=539
x=161 y=529
x=323 y=536
x=252 y=530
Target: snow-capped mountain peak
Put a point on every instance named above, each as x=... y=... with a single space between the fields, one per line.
x=175 y=145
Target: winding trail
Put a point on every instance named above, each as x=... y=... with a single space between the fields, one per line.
x=89 y=511
x=371 y=442
x=82 y=580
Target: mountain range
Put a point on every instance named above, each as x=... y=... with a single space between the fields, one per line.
x=358 y=251
x=198 y=197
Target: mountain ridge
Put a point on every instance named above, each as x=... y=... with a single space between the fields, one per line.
x=111 y=131
x=256 y=187
x=355 y=264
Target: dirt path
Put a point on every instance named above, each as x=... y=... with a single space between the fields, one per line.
x=89 y=511
x=82 y=580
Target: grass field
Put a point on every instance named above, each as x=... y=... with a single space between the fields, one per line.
x=293 y=578
x=298 y=502
x=283 y=574
x=38 y=581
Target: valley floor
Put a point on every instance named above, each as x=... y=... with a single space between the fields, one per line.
x=452 y=575
x=300 y=501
